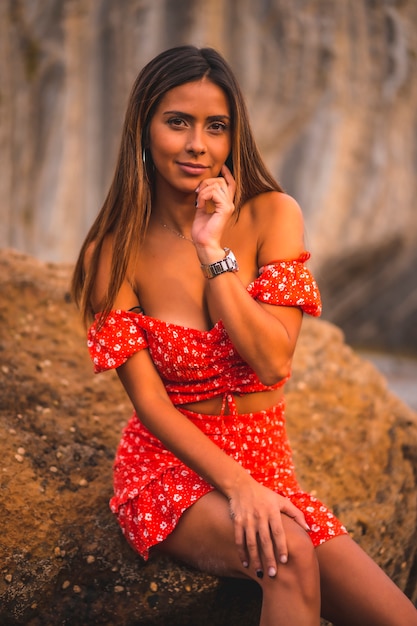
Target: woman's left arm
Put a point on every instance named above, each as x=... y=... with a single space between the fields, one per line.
x=264 y=335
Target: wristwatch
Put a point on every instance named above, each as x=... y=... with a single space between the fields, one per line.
x=228 y=264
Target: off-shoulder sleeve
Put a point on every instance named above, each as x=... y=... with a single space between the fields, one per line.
x=288 y=283
x=120 y=336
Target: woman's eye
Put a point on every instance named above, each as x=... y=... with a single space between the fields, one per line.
x=175 y=121
x=218 y=126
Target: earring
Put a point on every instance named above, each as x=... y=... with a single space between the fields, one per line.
x=144 y=156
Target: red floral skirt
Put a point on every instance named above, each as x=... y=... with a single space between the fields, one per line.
x=153 y=488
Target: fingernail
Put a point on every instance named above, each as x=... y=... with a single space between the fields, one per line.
x=307 y=527
x=283 y=558
x=259 y=573
x=245 y=564
x=272 y=572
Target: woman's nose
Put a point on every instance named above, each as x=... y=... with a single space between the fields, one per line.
x=195 y=142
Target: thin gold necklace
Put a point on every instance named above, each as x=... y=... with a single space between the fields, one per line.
x=175 y=232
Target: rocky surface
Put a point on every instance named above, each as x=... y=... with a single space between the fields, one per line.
x=401 y=374
x=333 y=100
x=62 y=558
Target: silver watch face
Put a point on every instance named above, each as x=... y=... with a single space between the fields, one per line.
x=230 y=258
x=230 y=261
x=228 y=264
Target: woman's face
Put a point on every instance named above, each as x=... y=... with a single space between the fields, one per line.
x=190 y=135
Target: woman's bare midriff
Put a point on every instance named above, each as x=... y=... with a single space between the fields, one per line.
x=247 y=403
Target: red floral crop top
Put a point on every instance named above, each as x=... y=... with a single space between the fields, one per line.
x=195 y=365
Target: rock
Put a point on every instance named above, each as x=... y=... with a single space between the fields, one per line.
x=331 y=91
x=62 y=557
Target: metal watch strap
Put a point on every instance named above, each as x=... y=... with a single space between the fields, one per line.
x=227 y=264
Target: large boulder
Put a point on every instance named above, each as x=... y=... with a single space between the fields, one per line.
x=63 y=560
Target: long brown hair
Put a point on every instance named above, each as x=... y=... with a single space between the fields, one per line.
x=127 y=207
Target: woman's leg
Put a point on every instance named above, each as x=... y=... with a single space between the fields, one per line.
x=356 y=591
x=204 y=538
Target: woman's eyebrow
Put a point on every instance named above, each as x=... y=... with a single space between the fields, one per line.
x=187 y=116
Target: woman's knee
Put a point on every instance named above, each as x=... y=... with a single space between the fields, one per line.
x=300 y=547
x=302 y=567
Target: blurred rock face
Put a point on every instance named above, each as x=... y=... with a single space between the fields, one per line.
x=333 y=103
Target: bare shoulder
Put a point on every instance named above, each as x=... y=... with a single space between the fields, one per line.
x=105 y=253
x=276 y=207
x=280 y=226
x=101 y=269
x=125 y=298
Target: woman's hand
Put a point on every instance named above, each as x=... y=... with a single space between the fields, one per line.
x=214 y=206
x=256 y=512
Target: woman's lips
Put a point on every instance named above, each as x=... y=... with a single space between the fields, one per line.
x=194 y=169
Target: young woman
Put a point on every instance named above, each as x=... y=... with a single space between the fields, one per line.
x=195 y=273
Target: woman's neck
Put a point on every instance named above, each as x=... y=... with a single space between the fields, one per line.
x=175 y=213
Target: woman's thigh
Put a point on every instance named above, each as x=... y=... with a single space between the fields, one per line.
x=205 y=539
x=356 y=591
